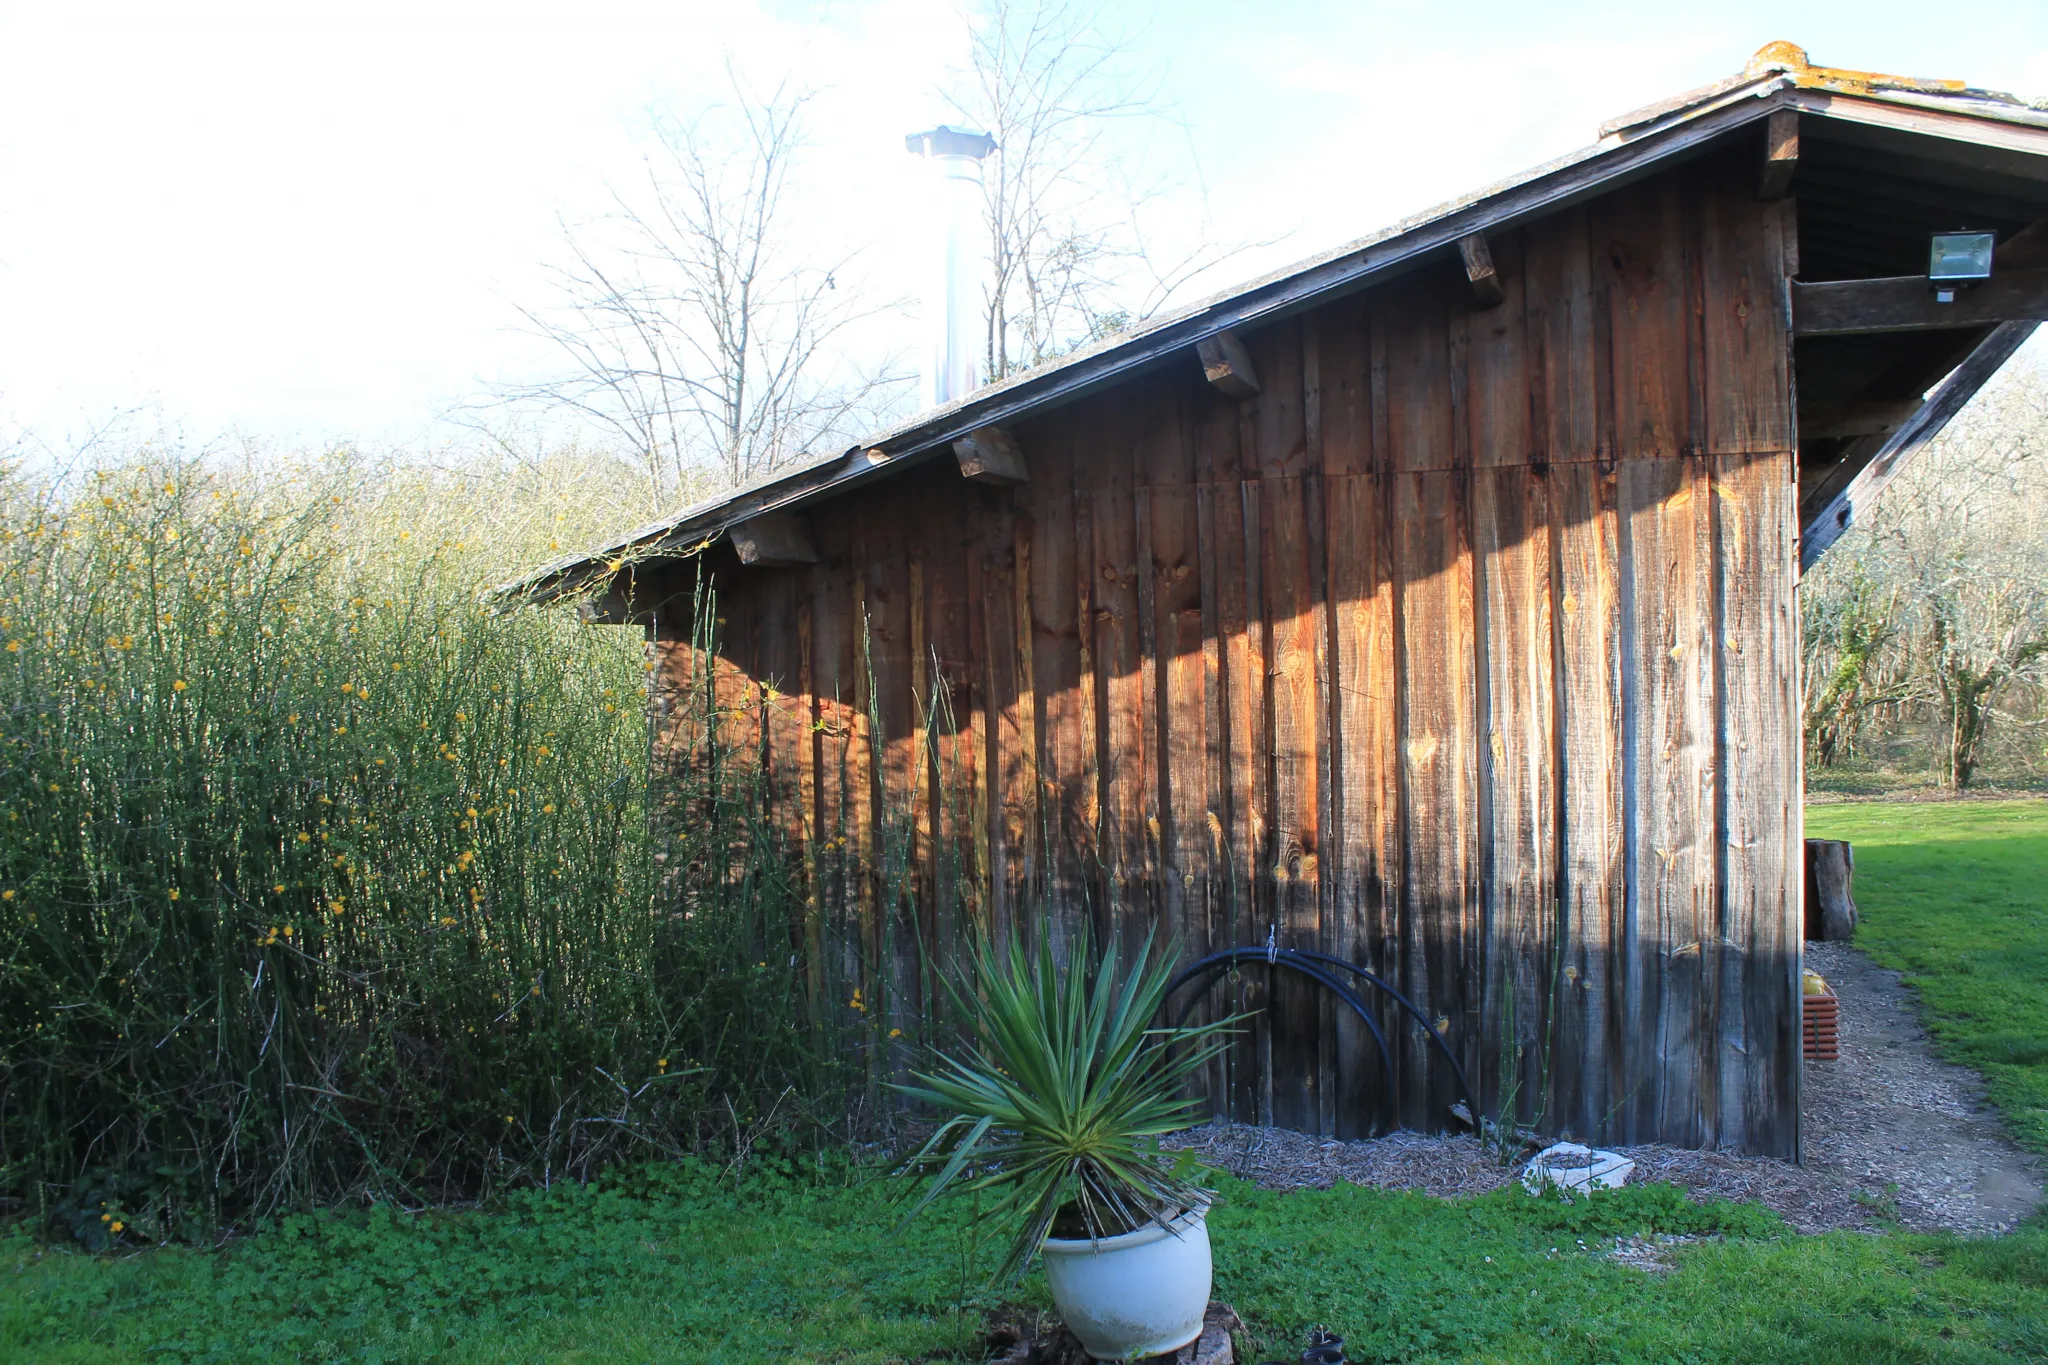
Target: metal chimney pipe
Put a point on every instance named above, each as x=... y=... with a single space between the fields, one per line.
x=953 y=302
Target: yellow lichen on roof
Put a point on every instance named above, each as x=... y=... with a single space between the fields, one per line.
x=1791 y=60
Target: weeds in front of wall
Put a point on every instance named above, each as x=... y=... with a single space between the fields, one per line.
x=319 y=880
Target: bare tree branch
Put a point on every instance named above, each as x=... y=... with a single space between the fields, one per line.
x=695 y=328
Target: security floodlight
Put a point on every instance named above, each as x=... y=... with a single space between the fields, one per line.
x=1955 y=259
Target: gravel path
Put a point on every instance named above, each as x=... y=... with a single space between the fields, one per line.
x=1891 y=1133
x=1888 y=1113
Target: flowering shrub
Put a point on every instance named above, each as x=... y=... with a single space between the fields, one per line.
x=319 y=876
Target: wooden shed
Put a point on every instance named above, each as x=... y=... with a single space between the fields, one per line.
x=1432 y=603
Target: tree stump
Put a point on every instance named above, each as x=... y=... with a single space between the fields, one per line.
x=1830 y=908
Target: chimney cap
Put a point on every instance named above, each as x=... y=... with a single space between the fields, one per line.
x=945 y=140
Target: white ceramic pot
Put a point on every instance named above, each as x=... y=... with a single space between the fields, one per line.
x=1140 y=1294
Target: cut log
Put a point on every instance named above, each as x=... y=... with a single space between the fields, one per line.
x=1227 y=364
x=1830 y=908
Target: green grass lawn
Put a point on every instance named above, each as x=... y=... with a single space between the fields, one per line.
x=670 y=1263
x=1955 y=896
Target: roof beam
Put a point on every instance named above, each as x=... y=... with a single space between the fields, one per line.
x=1479 y=271
x=990 y=455
x=1907 y=303
x=1944 y=401
x=1227 y=364
x=773 y=540
x=1781 y=154
x=1866 y=417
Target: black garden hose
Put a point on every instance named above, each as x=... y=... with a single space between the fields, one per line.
x=1318 y=966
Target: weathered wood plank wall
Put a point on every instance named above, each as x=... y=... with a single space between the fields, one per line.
x=1465 y=649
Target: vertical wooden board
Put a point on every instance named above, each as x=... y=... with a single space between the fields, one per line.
x=1639 y=254
x=951 y=522
x=1293 y=628
x=784 y=722
x=1213 y=432
x=1366 y=710
x=1589 y=1084
x=1103 y=470
x=1744 y=340
x=1182 y=706
x=1757 y=1039
x=1062 y=686
x=810 y=792
x=1025 y=812
x=1344 y=373
x=1440 y=779
x=1412 y=343
x=896 y=767
x=1497 y=359
x=1559 y=307
x=1511 y=522
x=864 y=860
x=1667 y=509
x=735 y=696
x=1233 y=547
x=1004 y=826
x=833 y=660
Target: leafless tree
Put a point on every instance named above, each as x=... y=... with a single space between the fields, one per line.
x=696 y=325
x=1940 y=604
x=1074 y=235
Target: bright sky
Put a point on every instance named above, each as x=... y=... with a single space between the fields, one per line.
x=305 y=221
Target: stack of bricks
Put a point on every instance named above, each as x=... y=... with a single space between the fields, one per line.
x=1822 y=1016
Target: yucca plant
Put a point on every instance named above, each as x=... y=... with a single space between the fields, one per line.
x=1058 y=1099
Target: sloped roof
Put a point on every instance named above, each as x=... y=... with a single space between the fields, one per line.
x=1779 y=76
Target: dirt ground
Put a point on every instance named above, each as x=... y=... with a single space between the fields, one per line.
x=1892 y=1135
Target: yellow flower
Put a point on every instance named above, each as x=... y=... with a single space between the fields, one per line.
x=292 y=719
x=279 y=889
x=174 y=893
x=106 y=1218
x=14 y=646
x=895 y=1033
x=661 y=1062
x=287 y=931
x=305 y=838
x=548 y=809
x=7 y=895
x=180 y=685
x=118 y=1225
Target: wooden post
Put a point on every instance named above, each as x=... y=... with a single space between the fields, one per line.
x=990 y=455
x=773 y=540
x=1781 y=154
x=1479 y=271
x=1227 y=365
x=1830 y=909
